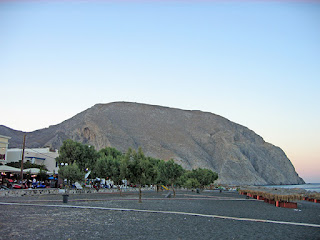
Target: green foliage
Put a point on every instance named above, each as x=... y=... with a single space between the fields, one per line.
x=191 y=183
x=183 y=178
x=71 y=172
x=125 y=172
x=161 y=173
x=169 y=173
x=137 y=168
x=133 y=166
x=203 y=176
x=155 y=177
x=115 y=171
x=102 y=167
x=73 y=152
x=172 y=171
x=42 y=174
x=89 y=157
x=109 y=151
x=108 y=167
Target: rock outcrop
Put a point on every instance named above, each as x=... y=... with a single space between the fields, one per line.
x=193 y=138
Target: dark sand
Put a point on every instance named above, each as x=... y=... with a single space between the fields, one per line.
x=54 y=222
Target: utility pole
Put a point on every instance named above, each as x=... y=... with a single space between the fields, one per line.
x=24 y=145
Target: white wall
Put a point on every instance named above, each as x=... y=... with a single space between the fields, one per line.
x=42 y=156
x=4 y=141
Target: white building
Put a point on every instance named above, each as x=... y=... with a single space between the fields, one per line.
x=41 y=156
x=4 y=142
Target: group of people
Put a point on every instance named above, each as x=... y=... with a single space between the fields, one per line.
x=27 y=183
x=99 y=183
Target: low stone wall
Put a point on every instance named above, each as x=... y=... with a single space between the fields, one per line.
x=28 y=192
x=45 y=191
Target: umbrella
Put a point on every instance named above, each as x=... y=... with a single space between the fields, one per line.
x=4 y=168
x=32 y=170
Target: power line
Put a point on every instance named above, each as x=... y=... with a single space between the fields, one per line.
x=40 y=153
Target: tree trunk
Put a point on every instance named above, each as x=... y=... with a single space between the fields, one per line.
x=140 y=193
x=119 y=188
x=67 y=189
x=174 y=191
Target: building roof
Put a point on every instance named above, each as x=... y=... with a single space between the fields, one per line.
x=1 y=136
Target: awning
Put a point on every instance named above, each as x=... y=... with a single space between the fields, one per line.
x=5 y=168
x=32 y=170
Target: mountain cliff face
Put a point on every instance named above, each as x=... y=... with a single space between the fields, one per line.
x=193 y=138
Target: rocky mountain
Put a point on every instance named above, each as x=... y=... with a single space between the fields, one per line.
x=193 y=138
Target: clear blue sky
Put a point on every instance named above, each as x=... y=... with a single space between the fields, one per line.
x=256 y=63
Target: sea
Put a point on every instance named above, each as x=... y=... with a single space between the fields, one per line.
x=315 y=187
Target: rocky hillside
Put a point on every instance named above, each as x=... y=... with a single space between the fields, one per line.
x=193 y=138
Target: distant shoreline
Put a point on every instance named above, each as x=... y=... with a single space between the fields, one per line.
x=310 y=187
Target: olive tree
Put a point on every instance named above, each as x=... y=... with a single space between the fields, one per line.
x=170 y=172
x=71 y=172
x=137 y=168
x=198 y=178
x=73 y=152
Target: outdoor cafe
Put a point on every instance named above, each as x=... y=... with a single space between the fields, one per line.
x=10 y=178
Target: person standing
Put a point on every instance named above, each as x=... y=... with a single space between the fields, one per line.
x=34 y=183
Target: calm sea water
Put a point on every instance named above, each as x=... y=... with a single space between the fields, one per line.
x=309 y=186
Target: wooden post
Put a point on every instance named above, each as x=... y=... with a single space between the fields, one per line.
x=22 y=158
x=140 y=201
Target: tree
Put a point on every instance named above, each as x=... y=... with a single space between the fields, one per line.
x=42 y=174
x=73 y=152
x=109 y=167
x=191 y=183
x=203 y=176
x=115 y=172
x=109 y=151
x=170 y=172
x=159 y=178
x=71 y=172
x=100 y=168
x=138 y=169
x=112 y=158
x=89 y=157
x=183 y=178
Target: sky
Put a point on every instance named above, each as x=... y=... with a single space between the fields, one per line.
x=256 y=63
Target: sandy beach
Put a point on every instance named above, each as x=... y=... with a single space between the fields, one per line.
x=208 y=215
